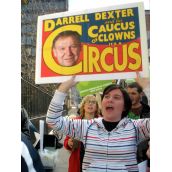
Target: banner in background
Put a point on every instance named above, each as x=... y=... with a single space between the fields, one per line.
x=92 y=87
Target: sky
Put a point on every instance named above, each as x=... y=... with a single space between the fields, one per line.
x=88 y=4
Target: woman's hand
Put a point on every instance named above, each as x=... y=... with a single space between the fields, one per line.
x=65 y=86
x=70 y=143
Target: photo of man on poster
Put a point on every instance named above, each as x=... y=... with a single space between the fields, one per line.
x=67 y=47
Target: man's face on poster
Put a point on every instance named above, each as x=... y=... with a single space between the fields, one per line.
x=67 y=50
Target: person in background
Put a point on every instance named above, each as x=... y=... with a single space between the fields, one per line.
x=111 y=141
x=88 y=110
x=98 y=98
x=27 y=127
x=25 y=123
x=145 y=84
x=30 y=159
x=142 y=152
x=148 y=155
x=67 y=47
x=138 y=108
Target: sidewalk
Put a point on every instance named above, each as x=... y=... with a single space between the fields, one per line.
x=62 y=159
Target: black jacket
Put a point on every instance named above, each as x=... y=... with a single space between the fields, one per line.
x=145 y=113
x=143 y=146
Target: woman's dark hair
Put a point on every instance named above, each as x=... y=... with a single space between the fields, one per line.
x=127 y=100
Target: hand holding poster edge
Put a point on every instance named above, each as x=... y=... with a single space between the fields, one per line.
x=65 y=86
x=142 y=81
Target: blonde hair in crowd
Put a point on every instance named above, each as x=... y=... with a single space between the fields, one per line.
x=82 y=111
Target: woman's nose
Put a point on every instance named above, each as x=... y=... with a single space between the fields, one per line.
x=110 y=99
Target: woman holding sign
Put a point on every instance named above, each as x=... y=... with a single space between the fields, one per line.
x=110 y=142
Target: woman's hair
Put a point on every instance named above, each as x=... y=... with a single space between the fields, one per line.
x=82 y=111
x=127 y=100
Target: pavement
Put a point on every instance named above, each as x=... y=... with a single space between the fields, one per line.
x=62 y=159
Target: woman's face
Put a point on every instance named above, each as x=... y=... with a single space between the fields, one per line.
x=90 y=105
x=113 y=106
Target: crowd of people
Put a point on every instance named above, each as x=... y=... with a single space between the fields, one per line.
x=110 y=142
x=111 y=134
x=113 y=137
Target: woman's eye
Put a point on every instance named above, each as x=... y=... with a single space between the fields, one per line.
x=107 y=96
x=117 y=97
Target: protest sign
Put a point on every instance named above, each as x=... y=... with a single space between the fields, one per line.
x=113 y=44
